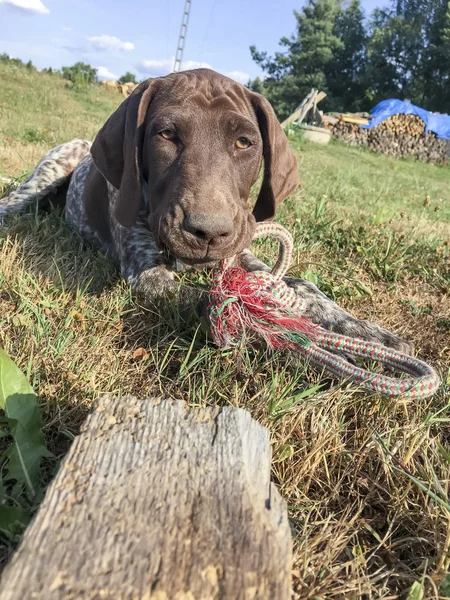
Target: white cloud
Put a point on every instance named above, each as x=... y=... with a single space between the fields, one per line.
x=194 y=64
x=105 y=73
x=64 y=28
x=238 y=76
x=164 y=66
x=33 y=6
x=110 y=42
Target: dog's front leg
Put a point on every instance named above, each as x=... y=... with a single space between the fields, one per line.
x=144 y=268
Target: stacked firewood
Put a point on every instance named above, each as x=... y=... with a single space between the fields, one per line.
x=350 y=133
x=400 y=135
x=404 y=125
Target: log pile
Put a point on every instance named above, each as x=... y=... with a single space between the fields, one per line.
x=400 y=135
x=404 y=125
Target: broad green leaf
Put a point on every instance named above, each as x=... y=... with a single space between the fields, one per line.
x=416 y=591
x=29 y=444
x=12 y=380
x=13 y=520
x=18 y=401
x=444 y=586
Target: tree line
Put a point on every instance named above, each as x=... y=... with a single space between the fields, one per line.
x=401 y=51
x=80 y=74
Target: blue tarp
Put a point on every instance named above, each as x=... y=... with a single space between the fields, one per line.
x=438 y=124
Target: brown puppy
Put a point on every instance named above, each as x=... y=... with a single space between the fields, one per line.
x=196 y=140
x=167 y=181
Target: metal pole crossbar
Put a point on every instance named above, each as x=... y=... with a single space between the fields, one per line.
x=182 y=37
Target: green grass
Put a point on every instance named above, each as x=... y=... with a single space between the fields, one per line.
x=365 y=478
x=38 y=111
x=362 y=186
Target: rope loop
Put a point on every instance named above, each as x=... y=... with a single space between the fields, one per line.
x=261 y=305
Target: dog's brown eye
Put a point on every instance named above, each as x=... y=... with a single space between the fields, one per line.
x=167 y=134
x=242 y=143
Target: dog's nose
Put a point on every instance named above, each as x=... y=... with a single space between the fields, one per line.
x=209 y=228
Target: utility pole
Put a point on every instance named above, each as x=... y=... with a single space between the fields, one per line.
x=182 y=37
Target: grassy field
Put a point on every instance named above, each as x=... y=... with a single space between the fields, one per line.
x=38 y=111
x=366 y=479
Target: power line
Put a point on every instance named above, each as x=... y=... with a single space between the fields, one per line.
x=182 y=36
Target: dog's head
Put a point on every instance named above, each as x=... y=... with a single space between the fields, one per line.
x=194 y=142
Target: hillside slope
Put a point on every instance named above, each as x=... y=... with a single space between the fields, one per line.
x=38 y=111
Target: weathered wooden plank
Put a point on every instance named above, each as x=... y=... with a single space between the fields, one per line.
x=155 y=500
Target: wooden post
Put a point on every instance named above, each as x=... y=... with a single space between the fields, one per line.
x=158 y=501
x=312 y=99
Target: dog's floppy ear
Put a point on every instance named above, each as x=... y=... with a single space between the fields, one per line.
x=280 y=166
x=117 y=150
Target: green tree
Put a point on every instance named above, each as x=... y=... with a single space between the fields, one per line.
x=256 y=85
x=131 y=77
x=80 y=74
x=12 y=61
x=435 y=70
x=346 y=71
x=382 y=50
x=409 y=52
x=403 y=52
x=396 y=49
x=290 y=75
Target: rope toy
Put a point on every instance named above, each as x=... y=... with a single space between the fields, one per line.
x=261 y=305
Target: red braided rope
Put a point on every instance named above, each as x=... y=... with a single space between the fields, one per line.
x=260 y=305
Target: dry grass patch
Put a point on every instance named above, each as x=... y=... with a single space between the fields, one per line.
x=343 y=459
x=415 y=308
x=18 y=158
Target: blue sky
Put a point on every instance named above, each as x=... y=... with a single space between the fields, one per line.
x=141 y=35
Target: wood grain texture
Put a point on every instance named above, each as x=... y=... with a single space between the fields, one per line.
x=158 y=501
